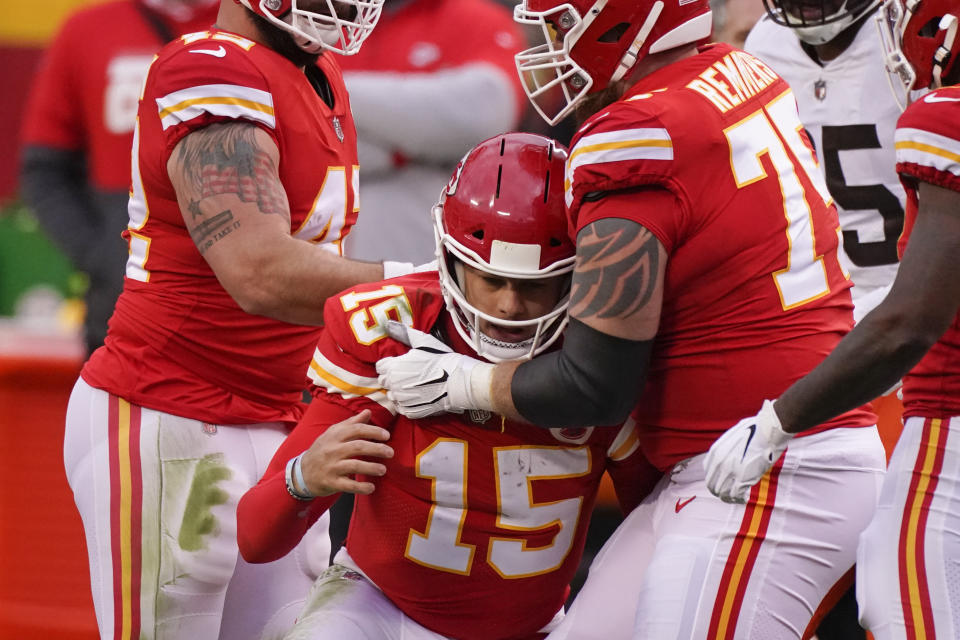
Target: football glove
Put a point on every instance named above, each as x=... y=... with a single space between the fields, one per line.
x=430 y=378
x=744 y=453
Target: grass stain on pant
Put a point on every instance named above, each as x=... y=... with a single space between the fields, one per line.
x=198 y=518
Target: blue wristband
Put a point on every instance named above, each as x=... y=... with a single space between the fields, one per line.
x=294 y=471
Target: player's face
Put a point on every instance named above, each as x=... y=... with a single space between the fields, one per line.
x=511 y=299
x=345 y=11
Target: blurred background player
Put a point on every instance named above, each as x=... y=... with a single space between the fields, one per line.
x=243 y=186
x=829 y=52
x=907 y=561
x=466 y=526
x=704 y=236
x=78 y=130
x=733 y=19
x=437 y=78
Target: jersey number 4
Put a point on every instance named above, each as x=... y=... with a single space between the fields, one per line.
x=439 y=545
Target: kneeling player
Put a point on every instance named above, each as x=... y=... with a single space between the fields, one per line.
x=466 y=526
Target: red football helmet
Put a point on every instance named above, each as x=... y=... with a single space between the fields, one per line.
x=920 y=41
x=339 y=26
x=818 y=21
x=589 y=44
x=502 y=213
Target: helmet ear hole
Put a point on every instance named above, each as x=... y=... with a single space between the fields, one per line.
x=930 y=29
x=614 y=33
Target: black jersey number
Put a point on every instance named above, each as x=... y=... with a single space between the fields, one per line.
x=874 y=196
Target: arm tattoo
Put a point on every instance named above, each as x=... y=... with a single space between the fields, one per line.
x=617 y=269
x=213 y=229
x=224 y=159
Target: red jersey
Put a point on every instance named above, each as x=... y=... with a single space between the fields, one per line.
x=86 y=90
x=462 y=32
x=754 y=295
x=927 y=141
x=478 y=525
x=177 y=341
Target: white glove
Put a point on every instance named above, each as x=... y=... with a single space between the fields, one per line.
x=744 y=453
x=430 y=378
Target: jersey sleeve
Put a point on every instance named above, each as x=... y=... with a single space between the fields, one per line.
x=344 y=365
x=632 y=474
x=634 y=157
x=927 y=140
x=655 y=208
x=193 y=85
x=53 y=116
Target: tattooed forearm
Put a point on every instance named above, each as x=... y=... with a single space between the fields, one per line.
x=224 y=159
x=617 y=269
x=215 y=228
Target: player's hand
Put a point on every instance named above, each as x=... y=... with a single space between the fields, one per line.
x=336 y=456
x=744 y=453
x=428 y=379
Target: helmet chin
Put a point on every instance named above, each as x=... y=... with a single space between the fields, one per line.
x=321 y=36
x=824 y=33
x=497 y=350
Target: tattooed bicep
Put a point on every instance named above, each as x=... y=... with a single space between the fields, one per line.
x=618 y=272
x=228 y=159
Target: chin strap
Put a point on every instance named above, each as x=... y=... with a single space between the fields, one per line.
x=941 y=58
x=630 y=57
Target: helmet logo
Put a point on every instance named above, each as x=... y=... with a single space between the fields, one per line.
x=272 y=5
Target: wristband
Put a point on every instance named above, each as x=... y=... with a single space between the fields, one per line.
x=294 y=471
x=393 y=269
x=481 y=386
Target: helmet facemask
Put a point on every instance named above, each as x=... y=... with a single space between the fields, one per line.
x=502 y=216
x=467 y=318
x=920 y=45
x=554 y=83
x=339 y=26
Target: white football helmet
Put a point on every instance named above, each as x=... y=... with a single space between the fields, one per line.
x=339 y=26
x=818 y=22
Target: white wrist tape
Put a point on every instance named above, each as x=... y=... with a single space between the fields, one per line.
x=481 y=383
x=393 y=269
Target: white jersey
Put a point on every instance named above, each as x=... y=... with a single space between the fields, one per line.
x=849 y=111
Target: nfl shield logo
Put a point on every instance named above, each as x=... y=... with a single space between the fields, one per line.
x=479 y=416
x=337 y=128
x=820 y=89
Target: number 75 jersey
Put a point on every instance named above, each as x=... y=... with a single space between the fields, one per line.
x=709 y=155
x=479 y=524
